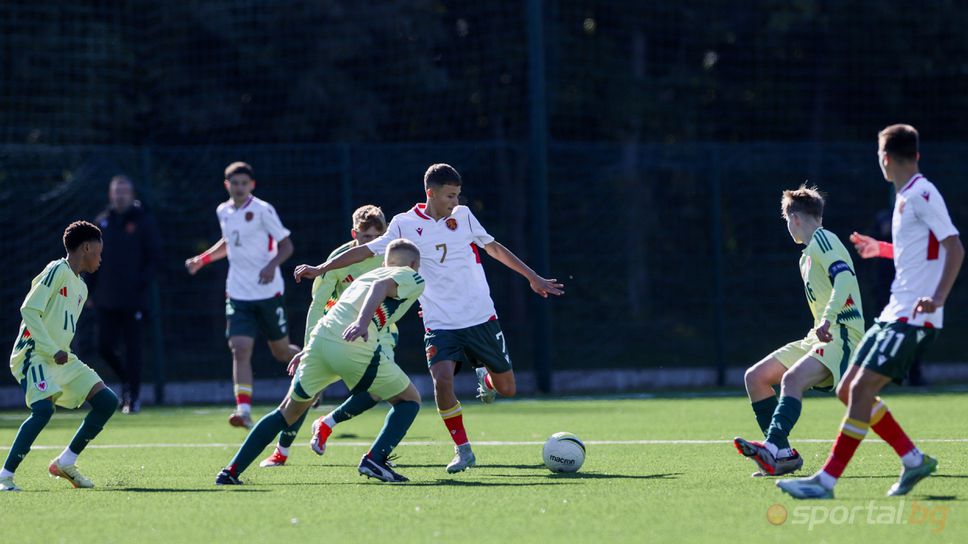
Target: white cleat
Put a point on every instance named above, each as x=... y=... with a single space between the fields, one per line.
x=485 y=393
x=69 y=473
x=6 y=484
x=463 y=459
x=805 y=488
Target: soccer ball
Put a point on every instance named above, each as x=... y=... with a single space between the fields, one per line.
x=564 y=452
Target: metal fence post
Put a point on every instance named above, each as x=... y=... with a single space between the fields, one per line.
x=154 y=296
x=537 y=90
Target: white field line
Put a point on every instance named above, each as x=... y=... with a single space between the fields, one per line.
x=358 y=444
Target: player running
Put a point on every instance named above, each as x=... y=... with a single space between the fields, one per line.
x=43 y=364
x=819 y=359
x=927 y=255
x=255 y=243
x=349 y=343
x=458 y=313
x=369 y=224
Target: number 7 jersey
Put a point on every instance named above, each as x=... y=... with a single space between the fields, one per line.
x=457 y=294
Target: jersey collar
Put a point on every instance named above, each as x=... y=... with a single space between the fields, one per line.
x=914 y=179
x=419 y=210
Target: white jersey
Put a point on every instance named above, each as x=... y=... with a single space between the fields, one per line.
x=920 y=222
x=252 y=233
x=457 y=295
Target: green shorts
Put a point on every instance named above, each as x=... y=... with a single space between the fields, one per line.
x=480 y=345
x=891 y=348
x=67 y=385
x=329 y=360
x=835 y=355
x=251 y=317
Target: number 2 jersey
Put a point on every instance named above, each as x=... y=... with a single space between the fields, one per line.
x=830 y=283
x=457 y=294
x=919 y=224
x=50 y=314
x=251 y=233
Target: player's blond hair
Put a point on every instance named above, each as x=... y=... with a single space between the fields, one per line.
x=402 y=252
x=369 y=216
x=807 y=200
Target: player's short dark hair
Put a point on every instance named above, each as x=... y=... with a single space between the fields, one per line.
x=899 y=141
x=441 y=174
x=79 y=232
x=239 y=167
x=369 y=216
x=806 y=200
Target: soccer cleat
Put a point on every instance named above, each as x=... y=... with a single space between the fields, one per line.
x=227 y=477
x=69 y=473
x=463 y=459
x=131 y=407
x=277 y=459
x=759 y=454
x=786 y=465
x=805 y=488
x=485 y=393
x=240 y=419
x=911 y=476
x=321 y=432
x=6 y=484
x=372 y=469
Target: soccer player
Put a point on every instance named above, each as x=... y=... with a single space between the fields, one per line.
x=43 y=364
x=364 y=312
x=819 y=359
x=927 y=255
x=255 y=243
x=369 y=224
x=458 y=313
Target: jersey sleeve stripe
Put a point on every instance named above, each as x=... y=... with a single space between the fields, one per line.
x=49 y=279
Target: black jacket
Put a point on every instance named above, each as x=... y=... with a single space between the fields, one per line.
x=129 y=261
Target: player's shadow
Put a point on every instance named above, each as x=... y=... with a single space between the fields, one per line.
x=474 y=483
x=598 y=476
x=489 y=465
x=233 y=489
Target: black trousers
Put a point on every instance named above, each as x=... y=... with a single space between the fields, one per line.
x=122 y=326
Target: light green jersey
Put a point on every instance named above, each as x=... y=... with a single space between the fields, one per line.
x=830 y=282
x=50 y=314
x=347 y=309
x=328 y=287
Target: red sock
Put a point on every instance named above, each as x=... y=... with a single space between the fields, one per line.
x=851 y=434
x=243 y=398
x=892 y=433
x=454 y=420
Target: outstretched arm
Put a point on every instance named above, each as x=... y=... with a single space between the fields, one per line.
x=954 y=255
x=378 y=292
x=216 y=252
x=869 y=248
x=542 y=286
x=353 y=256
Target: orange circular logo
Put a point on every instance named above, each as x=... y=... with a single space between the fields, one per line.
x=776 y=514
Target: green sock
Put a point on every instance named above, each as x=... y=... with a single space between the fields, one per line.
x=354 y=405
x=288 y=435
x=259 y=437
x=40 y=414
x=786 y=416
x=397 y=424
x=764 y=412
x=103 y=406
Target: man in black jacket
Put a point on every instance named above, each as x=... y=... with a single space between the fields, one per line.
x=120 y=287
